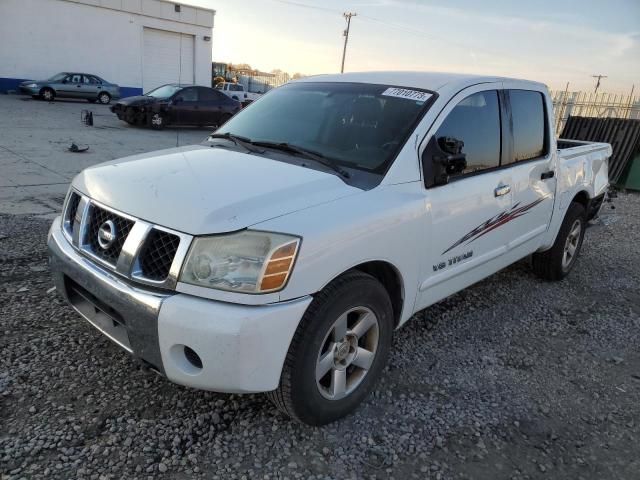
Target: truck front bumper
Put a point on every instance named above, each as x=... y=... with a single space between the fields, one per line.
x=193 y=341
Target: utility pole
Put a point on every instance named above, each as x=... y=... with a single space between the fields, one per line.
x=347 y=16
x=599 y=77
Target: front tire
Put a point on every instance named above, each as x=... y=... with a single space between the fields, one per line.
x=338 y=351
x=559 y=260
x=47 y=94
x=157 y=121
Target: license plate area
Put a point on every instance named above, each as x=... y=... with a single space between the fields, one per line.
x=99 y=314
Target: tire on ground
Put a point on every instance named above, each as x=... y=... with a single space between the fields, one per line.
x=47 y=94
x=549 y=264
x=156 y=120
x=298 y=394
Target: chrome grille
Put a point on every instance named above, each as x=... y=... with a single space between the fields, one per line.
x=97 y=217
x=142 y=252
x=72 y=209
x=157 y=254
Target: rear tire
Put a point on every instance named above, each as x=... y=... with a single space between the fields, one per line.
x=338 y=351
x=559 y=260
x=104 y=98
x=224 y=118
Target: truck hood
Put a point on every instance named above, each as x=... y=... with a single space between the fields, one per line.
x=204 y=190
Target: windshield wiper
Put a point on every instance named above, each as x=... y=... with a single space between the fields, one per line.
x=237 y=140
x=303 y=152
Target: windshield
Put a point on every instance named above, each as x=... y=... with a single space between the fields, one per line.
x=57 y=77
x=357 y=125
x=164 y=91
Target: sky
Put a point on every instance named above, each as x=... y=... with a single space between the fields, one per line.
x=552 y=41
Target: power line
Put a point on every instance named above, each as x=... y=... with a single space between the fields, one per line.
x=423 y=33
x=347 y=16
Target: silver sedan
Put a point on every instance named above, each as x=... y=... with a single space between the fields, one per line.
x=72 y=85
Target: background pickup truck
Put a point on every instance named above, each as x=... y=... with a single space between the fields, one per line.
x=237 y=92
x=281 y=254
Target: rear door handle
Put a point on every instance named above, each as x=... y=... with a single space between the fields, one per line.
x=502 y=190
x=547 y=175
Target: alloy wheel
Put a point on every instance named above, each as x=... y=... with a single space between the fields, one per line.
x=571 y=244
x=347 y=353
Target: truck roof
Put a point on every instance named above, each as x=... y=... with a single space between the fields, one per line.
x=434 y=81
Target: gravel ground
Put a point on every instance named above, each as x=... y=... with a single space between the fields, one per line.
x=513 y=378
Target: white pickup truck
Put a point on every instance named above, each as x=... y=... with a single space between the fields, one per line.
x=281 y=254
x=237 y=92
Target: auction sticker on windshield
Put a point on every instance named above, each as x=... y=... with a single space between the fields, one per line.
x=416 y=95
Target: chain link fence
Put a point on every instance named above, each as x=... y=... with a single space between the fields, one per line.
x=600 y=105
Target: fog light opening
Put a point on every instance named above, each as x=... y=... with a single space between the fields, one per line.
x=192 y=357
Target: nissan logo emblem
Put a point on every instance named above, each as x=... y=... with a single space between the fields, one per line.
x=106 y=234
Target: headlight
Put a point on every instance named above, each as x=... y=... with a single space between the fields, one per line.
x=249 y=261
x=31 y=85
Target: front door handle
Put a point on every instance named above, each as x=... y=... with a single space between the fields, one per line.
x=547 y=175
x=502 y=190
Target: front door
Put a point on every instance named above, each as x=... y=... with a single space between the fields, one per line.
x=467 y=213
x=70 y=86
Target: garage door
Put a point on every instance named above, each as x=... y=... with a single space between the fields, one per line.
x=167 y=58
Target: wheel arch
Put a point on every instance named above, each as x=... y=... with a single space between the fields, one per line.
x=583 y=198
x=390 y=278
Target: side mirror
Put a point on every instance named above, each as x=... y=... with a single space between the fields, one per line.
x=453 y=160
x=442 y=157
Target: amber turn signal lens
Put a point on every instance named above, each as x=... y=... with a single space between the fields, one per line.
x=278 y=268
x=273 y=282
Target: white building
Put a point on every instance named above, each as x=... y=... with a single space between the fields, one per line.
x=138 y=44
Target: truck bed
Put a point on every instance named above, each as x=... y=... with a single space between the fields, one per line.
x=571 y=148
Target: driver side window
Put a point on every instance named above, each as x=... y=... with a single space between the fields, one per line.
x=473 y=127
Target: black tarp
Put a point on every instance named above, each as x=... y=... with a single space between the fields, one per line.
x=623 y=135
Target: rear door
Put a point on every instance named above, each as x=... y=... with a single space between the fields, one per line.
x=531 y=162
x=89 y=87
x=467 y=212
x=211 y=104
x=185 y=109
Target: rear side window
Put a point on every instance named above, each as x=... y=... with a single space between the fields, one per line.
x=527 y=111
x=189 y=95
x=207 y=95
x=475 y=121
